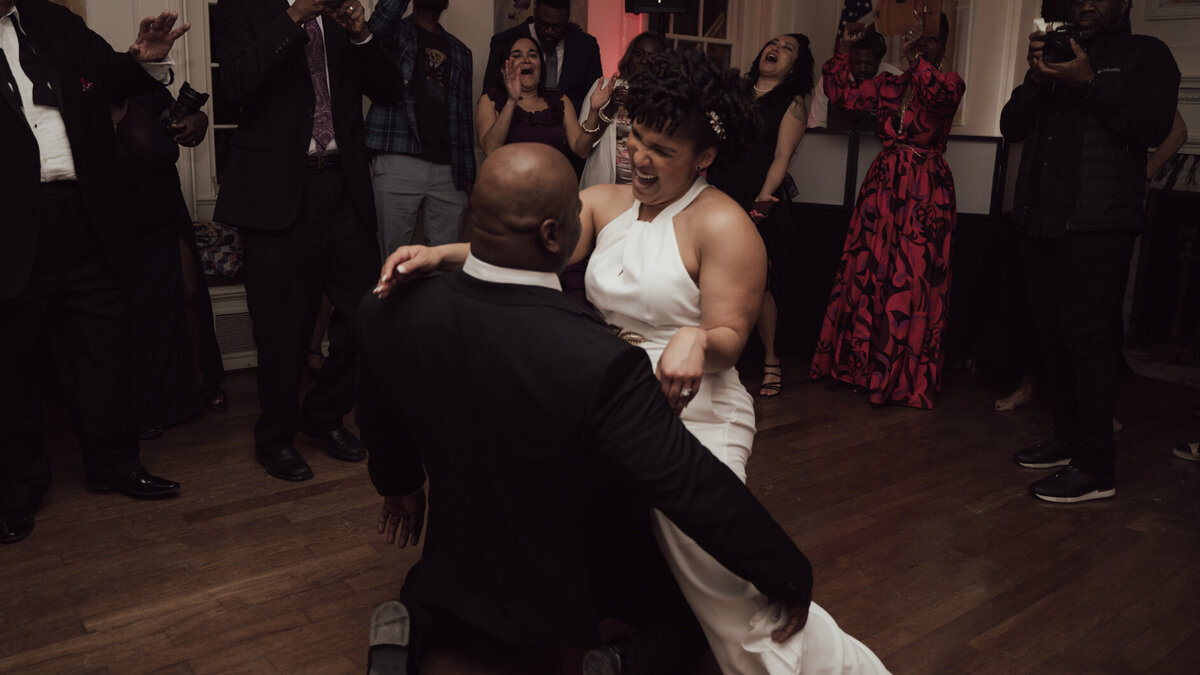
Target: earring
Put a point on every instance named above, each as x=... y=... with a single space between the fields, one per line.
x=699 y=168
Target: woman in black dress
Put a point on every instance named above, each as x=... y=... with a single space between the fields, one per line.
x=780 y=79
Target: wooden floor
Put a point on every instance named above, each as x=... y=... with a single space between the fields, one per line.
x=924 y=541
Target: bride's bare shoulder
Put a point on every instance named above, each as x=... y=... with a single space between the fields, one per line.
x=606 y=202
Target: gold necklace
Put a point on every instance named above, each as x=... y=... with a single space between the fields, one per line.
x=908 y=97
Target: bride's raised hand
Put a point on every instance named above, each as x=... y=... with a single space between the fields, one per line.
x=681 y=366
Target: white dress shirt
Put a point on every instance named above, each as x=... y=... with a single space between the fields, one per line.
x=506 y=275
x=49 y=130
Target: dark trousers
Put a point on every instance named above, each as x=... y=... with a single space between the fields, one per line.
x=327 y=250
x=74 y=305
x=1076 y=284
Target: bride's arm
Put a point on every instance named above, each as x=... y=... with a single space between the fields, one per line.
x=733 y=274
x=414 y=262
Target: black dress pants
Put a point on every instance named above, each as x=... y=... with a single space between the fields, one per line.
x=327 y=250
x=74 y=305
x=1076 y=284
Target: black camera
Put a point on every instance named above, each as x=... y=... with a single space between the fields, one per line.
x=1058 y=44
x=188 y=103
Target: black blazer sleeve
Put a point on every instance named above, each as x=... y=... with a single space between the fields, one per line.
x=633 y=429
x=491 y=73
x=394 y=463
x=1020 y=114
x=248 y=57
x=381 y=79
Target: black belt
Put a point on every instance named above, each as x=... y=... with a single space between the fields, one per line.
x=60 y=186
x=321 y=162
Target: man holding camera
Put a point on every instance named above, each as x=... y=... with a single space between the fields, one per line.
x=297 y=186
x=1095 y=98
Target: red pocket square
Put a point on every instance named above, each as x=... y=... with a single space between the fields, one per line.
x=85 y=84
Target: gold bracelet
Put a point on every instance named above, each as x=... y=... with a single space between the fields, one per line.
x=587 y=130
x=603 y=118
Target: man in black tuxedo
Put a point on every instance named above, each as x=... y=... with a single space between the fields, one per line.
x=62 y=261
x=296 y=184
x=571 y=56
x=543 y=471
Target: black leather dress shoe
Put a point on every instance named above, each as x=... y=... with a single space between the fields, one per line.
x=137 y=484
x=284 y=463
x=340 y=444
x=15 y=525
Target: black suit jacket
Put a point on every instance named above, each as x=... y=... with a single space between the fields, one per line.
x=260 y=51
x=86 y=75
x=581 y=65
x=530 y=417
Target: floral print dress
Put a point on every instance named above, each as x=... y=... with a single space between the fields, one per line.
x=883 y=327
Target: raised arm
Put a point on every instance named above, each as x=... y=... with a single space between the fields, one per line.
x=249 y=55
x=938 y=92
x=585 y=131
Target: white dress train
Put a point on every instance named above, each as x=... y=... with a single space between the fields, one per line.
x=637 y=279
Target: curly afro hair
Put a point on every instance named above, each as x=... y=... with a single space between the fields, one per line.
x=679 y=92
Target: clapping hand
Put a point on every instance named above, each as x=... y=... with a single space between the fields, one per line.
x=851 y=34
x=512 y=79
x=156 y=37
x=604 y=93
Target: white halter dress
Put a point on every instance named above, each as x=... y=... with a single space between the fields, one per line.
x=637 y=279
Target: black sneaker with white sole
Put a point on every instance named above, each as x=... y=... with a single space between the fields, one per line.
x=1044 y=455
x=1072 y=485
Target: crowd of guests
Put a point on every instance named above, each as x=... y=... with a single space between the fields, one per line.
x=624 y=237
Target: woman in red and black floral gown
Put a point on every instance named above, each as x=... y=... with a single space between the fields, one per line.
x=887 y=312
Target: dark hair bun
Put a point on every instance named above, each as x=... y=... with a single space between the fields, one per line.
x=684 y=91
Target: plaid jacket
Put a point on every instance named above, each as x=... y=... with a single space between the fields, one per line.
x=393 y=128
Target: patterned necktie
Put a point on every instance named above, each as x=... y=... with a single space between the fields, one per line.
x=322 y=131
x=32 y=65
x=552 y=68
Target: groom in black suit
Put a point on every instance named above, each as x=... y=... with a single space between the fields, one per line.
x=546 y=440
x=63 y=256
x=296 y=185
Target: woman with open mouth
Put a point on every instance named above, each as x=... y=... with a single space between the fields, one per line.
x=781 y=79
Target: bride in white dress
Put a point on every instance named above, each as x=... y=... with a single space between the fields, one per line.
x=679 y=269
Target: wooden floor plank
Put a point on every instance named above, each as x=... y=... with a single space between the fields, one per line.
x=924 y=542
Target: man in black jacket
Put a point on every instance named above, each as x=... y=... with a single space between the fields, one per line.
x=1087 y=117
x=65 y=241
x=297 y=186
x=558 y=441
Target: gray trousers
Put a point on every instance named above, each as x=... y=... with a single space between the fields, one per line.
x=404 y=185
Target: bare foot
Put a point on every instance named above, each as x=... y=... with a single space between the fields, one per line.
x=1023 y=395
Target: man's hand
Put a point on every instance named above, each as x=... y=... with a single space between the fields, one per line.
x=405 y=263
x=1037 y=42
x=155 y=37
x=351 y=16
x=1074 y=73
x=191 y=129
x=304 y=11
x=797 y=617
x=407 y=513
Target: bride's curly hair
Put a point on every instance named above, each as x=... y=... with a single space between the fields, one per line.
x=684 y=91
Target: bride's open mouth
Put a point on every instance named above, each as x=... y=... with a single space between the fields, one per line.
x=644 y=180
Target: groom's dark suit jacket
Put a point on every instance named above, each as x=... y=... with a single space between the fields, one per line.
x=86 y=76
x=532 y=418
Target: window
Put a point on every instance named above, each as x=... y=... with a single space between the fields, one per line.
x=706 y=26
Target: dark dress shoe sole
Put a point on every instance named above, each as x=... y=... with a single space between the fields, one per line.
x=15 y=528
